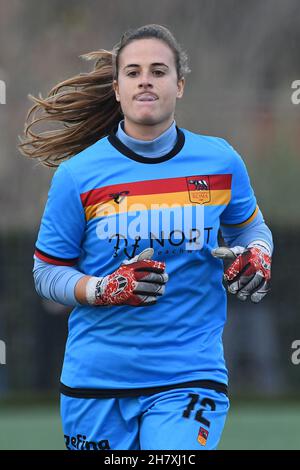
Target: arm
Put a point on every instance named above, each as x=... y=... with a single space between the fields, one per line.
x=250 y=240
x=59 y=283
x=255 y=233
x=58 y=246
x=137 y=282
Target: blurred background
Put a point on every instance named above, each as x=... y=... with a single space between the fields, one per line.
x=244 y=57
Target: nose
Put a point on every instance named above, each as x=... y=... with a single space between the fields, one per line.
x=145 y=81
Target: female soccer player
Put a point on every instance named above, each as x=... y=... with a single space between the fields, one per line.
x=129 y=237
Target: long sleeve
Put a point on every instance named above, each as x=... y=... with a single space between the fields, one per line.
x=242 y=222
x=255 y=231
x=56 y=283
x=58 y=246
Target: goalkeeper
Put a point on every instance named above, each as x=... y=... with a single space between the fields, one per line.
x=144 y=366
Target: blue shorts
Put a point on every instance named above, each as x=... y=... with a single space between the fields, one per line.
x=185 y=418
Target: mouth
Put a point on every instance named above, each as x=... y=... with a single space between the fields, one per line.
x=146 y=97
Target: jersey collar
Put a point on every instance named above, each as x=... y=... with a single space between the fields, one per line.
x=115 y=142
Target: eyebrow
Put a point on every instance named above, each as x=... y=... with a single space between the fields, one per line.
x=155 y=64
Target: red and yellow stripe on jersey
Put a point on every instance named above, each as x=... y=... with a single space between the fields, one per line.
x=212 y=190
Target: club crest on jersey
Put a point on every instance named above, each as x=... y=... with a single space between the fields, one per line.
x=202 y=436
x=199 y=189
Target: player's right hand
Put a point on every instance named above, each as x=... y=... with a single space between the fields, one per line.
x=137 y=282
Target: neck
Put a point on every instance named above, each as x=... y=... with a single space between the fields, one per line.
x=158 y=147
x=146 y=132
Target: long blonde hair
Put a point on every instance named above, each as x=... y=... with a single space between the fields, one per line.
x=85 y=106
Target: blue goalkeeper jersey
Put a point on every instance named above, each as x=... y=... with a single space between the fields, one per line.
x=106 y=205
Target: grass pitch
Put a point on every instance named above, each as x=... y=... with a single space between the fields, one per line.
x=259 y=426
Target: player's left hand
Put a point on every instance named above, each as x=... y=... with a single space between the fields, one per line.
x=250 y=272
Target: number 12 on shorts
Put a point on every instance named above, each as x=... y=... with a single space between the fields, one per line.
x=205 y=403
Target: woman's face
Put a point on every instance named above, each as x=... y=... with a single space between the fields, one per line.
x=147 y=86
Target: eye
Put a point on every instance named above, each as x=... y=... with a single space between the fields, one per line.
x=132 y=73
x=158 y=73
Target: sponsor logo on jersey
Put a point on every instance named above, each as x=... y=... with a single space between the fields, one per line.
x=119 y=197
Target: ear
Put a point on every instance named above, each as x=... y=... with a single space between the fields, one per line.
x=180 y=87
x=116 y=90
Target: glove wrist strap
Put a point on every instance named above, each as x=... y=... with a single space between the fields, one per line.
x=93 y=289
x=262 y=245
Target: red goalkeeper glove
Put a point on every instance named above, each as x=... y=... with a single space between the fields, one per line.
x=250 y=272
x=137 y=282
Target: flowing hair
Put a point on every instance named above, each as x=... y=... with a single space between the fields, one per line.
x=84 y=108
